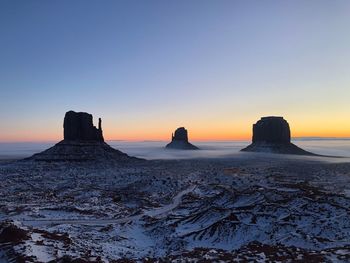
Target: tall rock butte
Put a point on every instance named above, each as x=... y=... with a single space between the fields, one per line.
x=78 y=126
x=179 y=140
x=82 y=142
x=272 y=135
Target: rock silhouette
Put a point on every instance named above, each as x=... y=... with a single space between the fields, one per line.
x=272 y=130
x=78 y=126
x=179 y=140
x=82 y=142
x=272 y=134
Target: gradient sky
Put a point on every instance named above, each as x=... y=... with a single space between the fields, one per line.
x=148 y=67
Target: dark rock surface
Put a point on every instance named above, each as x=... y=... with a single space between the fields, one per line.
x=10 y=233
x=272 y=135
x=78 y=126
x=80 y=151
x=272 y=130
x=82 y=142
x=179 y=140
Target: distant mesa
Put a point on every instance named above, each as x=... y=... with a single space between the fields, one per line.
x=179 y=140
x=82 y=142
x=272 y=135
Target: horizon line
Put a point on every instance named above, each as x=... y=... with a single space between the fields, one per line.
x=194 y=140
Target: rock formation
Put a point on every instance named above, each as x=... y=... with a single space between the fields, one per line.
x=78 y=126
x=82 y=142
x=179 y=140
x=271 y=130
x=272 y=134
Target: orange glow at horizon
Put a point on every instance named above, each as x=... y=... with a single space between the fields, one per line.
x=194 y=135
x=203 y=128
x=151 y=70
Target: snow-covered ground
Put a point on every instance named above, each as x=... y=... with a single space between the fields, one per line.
x=243 y=207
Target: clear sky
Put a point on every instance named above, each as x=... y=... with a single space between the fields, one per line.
x=148 y=67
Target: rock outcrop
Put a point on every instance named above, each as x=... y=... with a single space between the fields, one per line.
x=82 y=142
x=272 y=135
x=78 y=126
x=179 y=140
x=271 y=130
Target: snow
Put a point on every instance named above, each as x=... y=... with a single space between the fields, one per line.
x=172 y=207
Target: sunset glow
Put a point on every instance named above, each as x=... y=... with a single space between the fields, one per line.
x=213 y=68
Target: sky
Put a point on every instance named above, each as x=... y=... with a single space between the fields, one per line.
x=148 y=67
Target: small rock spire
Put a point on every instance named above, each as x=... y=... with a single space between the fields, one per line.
x=100 y=124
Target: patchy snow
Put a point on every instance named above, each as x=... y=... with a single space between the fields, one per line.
x=257 y=209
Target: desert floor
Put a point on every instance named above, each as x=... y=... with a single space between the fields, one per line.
x=251 y=207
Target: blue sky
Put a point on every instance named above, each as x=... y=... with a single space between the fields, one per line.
x=147 y=67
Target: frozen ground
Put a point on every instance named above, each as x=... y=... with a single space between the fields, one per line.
x=248 y=207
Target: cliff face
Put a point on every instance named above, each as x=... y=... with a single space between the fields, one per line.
x=271 y=130
x=180 y=135
x=179 y=140
x=78 y=126
x=272 y=135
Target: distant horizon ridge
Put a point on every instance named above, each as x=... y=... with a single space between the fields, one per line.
x=197 y=140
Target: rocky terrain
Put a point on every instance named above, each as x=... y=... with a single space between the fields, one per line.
x=248 y=208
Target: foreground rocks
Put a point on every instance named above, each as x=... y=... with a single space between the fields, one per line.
x=179 y=140
x=272 y=135
x=10 y=233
